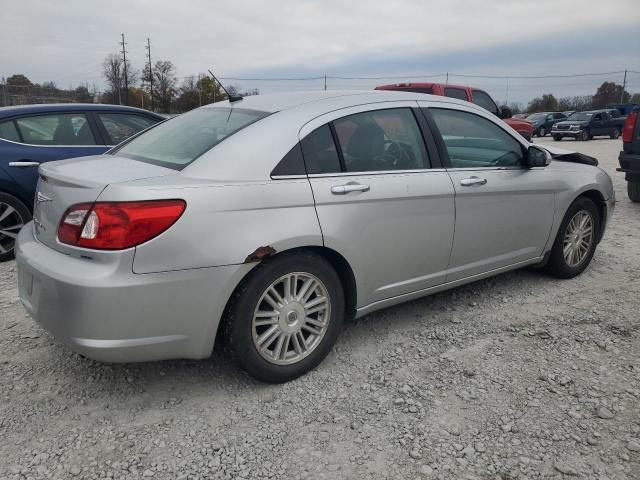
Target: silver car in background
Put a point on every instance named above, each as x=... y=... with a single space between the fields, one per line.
x=271 y=219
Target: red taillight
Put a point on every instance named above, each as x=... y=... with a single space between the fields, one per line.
x=117 y=225
x=629 y=124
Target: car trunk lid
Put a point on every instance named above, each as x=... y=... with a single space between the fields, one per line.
x=81 y=180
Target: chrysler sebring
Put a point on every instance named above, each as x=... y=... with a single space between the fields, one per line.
x=271 y=219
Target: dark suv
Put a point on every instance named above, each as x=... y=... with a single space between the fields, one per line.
x=629 y=157
x=543 y=121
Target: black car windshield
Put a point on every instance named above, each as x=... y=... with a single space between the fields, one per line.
x=580 y=116
x=179 y=141
x=537 y=116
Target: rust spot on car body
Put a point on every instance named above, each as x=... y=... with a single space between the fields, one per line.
x=260 y=253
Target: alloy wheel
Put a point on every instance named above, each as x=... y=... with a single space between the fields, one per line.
x=578 y=238
x=291 y=318
x=10 y=224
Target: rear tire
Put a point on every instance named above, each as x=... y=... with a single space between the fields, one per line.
x=542 y=132
x=14 y=215
x=615 y=133
x=633 y=190
x=573 y=247
x=292 y=349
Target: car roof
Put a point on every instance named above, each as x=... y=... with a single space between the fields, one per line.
x=314 y=100
x=69 y=107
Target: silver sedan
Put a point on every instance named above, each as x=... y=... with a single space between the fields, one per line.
x=271 y=219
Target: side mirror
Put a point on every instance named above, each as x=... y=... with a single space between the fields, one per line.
x=505 y=112
x=537 y=157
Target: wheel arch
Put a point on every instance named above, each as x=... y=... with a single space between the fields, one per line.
x=335 y=259
x=598 y=199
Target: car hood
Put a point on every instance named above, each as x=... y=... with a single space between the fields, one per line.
x=569 y=156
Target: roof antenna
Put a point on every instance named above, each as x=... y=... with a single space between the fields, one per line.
x=232 y=98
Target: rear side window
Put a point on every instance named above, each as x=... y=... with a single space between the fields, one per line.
x=179 y=141
x=458 y=93
x=8 y=131
x=320 y=154
x=381 y=140
x=120 y=126
x=482 y=99
x=61 y=129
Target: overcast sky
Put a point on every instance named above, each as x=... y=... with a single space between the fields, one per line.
x=66 y=41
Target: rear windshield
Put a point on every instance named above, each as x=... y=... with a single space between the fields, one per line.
x=179 y=141
x=580 y=116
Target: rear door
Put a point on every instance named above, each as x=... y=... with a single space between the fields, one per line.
x=504 y=212
x=44 y=138
x=379 y=202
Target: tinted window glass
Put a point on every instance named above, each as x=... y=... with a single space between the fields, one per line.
x=455 y=93
x=60 y=129
x=473 y=141
x=291 y=164
x=120 y=126
x=381 y=140
x=483 y=100
x=179 y=141
x=320 y=154
x=8 y=131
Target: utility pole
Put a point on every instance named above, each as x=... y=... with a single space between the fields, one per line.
x=447 y=80
x=199 y=90
x=624 y=85
x=325 y=81
x=148 y=47
x=126 y=76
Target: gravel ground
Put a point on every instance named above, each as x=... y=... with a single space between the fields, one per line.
x=519 y=376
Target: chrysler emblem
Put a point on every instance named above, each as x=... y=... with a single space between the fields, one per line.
x=41 y=198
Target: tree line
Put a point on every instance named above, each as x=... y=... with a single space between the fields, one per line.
x=608 y=93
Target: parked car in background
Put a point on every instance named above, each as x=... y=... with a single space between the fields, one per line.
x=629 y=157
x=470 y=94
x=34 y=134
x=272 y=218
x=543 y=121
x=586 y=125
x=568 y=113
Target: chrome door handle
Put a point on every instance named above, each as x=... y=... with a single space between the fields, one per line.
x=471 y=181
x=349 y=187
x=24 y=164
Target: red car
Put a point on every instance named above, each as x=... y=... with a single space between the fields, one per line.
x=470 y=94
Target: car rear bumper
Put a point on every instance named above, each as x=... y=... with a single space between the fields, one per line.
x=630 y=165
x=105 y=311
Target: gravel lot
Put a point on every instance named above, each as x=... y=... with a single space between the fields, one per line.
x=519 y=376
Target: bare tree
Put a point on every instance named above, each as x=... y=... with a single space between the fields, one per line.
x=164 y=83
x=113 y=71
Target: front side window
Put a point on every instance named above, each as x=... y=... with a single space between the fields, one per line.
x=381 y=140
x=458 y=93
x=8 y=131
x=120 y=126
x=179 y=141
x=482 y=99
x=473 y=141
x=60 y=129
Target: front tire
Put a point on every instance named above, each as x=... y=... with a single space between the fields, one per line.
x=13 y=215
x=584 y=136
x=284 y=320
x=557 y=138
x=633 y=190
x=576 y=240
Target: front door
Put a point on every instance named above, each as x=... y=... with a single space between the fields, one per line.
x=379 y=202
x=504 y=211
